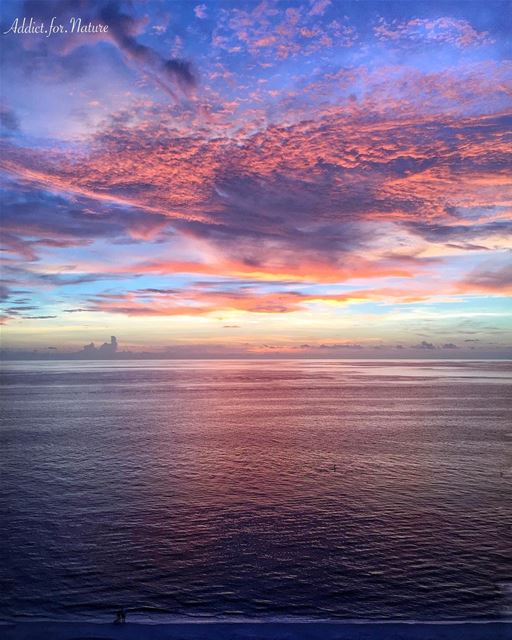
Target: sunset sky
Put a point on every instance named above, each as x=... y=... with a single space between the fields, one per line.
x=298 y=178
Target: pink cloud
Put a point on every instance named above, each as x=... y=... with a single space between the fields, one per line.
x=453 y=31
x=200 y=11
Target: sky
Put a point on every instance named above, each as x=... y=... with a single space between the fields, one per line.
x=313 y=178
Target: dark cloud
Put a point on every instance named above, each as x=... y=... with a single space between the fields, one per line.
x=491 y=278
x=171 y=74
x=438 y=232
x=17 y=274
x=63 y=59
x=450 y=345
x=158 y=291
x=21 y=307
x=5 y=292
x=424 y=345
x=340 y=345
x=33 y=218
x=467 y=246
x=16 y=305
x=8 y=119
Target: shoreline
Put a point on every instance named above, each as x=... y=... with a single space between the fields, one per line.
x=205 y=630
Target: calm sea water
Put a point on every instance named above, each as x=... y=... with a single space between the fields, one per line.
x=318 y=489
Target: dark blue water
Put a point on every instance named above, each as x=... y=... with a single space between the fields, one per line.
x=318 y=489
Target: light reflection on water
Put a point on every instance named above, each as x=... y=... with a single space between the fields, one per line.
x=324 y=489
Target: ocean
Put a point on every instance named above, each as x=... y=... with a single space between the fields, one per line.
x=286 y=489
